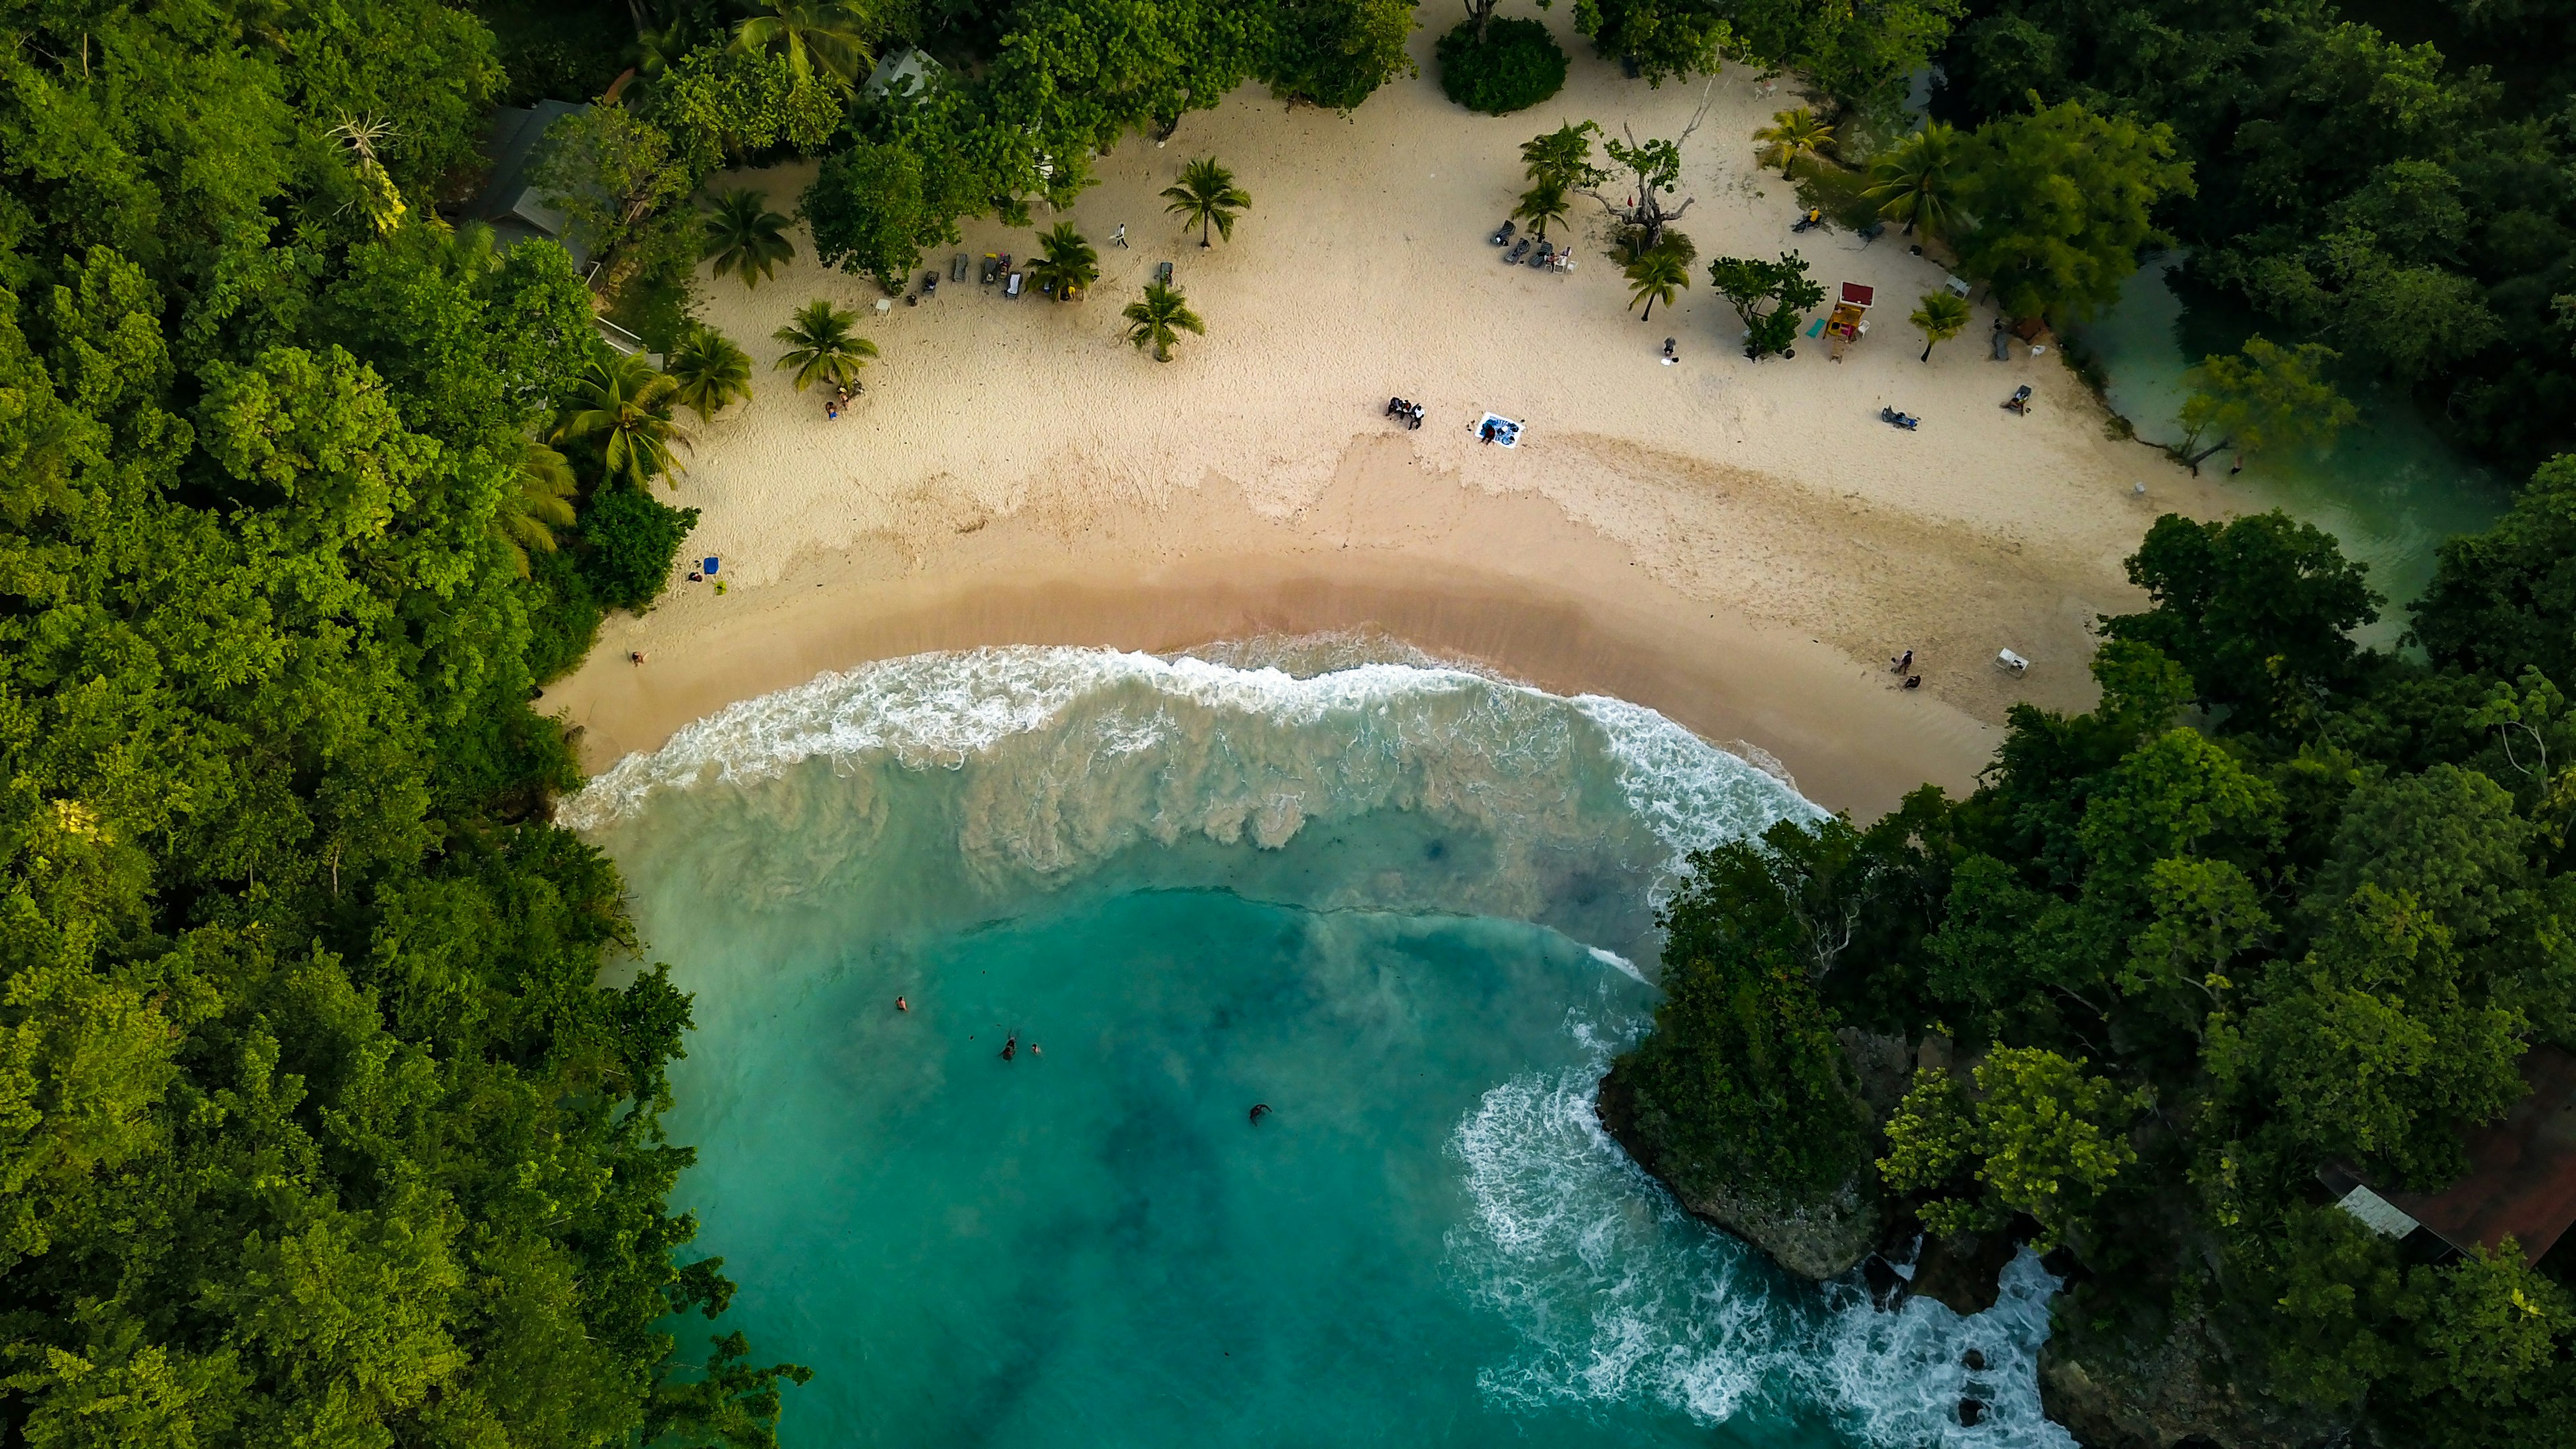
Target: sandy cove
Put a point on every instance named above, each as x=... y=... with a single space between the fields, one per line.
x=1738 y=545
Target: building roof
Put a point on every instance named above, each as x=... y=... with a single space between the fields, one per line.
x=509 y=203
x=907 y=64
x=2522 y=1173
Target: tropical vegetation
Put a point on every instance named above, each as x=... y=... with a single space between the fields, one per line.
x=745 y=238
x=2264 y=396
x=1793 y=133
x=823 y=345
x=1939 y=316
x=1500 y=66
x=2389 y=181
x=1158 y=318
x=1771 y=299
x=711 y=373
x=1066 y=263
x=322 y=1119
x=1206 y=197
x=2278 y=904
x=1655 y=277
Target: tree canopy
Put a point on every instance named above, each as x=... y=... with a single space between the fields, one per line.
x=319 y=1123
x=2177 y=964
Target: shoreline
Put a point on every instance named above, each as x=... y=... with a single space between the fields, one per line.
x=1507 y=586
x=1740 y=546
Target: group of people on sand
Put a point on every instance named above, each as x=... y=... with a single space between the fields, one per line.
x=839 y=399
x=1411 y=412
x=1904 y=664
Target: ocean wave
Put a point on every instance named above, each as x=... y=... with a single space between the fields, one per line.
x=1617 y=1296
x=1079 y=753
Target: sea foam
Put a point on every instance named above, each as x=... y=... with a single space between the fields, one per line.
x=1081 y=753
x=1615 y=1294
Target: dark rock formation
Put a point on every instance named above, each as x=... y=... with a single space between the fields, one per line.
x=1963 y=1270
x=1817 y=1240
x=2115 y=1394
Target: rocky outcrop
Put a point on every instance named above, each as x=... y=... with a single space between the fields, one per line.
x=1816 y=1240
x=2115 y=1394
x=1963 y=1270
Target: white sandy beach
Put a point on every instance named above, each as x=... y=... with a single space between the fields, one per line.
x=1740 y=545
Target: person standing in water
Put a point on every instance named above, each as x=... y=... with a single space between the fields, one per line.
x=900 y=1005
x=1011 y=1046
x=1259 y=1110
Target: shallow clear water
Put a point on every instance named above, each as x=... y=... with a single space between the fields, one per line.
x=2389 y=489
x=1403 y=906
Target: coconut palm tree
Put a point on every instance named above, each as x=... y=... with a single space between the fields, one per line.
x=1653 y=277
x=624 y=411
x=1068 y=265
x=746 y=238
x=1205 y=197
x=1940 y=316
x=1792 y=134
x=535 y=502
x=1160 y=319
x=821 y=347
x=829 y=36
x=1914 y=181
x=1541 y=204
x=713 y=373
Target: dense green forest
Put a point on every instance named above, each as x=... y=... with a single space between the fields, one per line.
x=2277 y=903
x=2396 y=182
x=316 y=1125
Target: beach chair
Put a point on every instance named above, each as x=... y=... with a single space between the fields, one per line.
x=1519 y=250
x=1545 y=259
x=2019 y=402
x=1163 y=273
x=930 y=284
x=1011 y=287
x=992 y=270
x=2010 y=662
x=1503 y=234
x=957 y=267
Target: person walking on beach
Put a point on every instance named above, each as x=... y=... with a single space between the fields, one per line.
x=1902 y=663
x=1120 y=240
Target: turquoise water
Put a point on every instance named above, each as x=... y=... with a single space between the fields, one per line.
x=2389 y=489
x=1405 y=907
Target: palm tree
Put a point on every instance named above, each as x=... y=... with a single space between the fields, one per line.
x=713 y=373
x=1563 y=155
x=1542 y=204
x=625 y=412
x=1069 y=263
x=1792 y=134
x=1913 y=182
x=1940 y=317
x=1205 y=197
x=655 y=52
x=1652 y=278
x=536 y=502
x=746 y=238
x=825 y=35
x=822 y=348
x=1160 y=319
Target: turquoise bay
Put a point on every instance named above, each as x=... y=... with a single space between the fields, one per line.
x=1396 y=904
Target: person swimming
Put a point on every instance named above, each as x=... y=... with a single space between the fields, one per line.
x=901 y=1005
x=1259 y=1110
x=1011 y=1046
